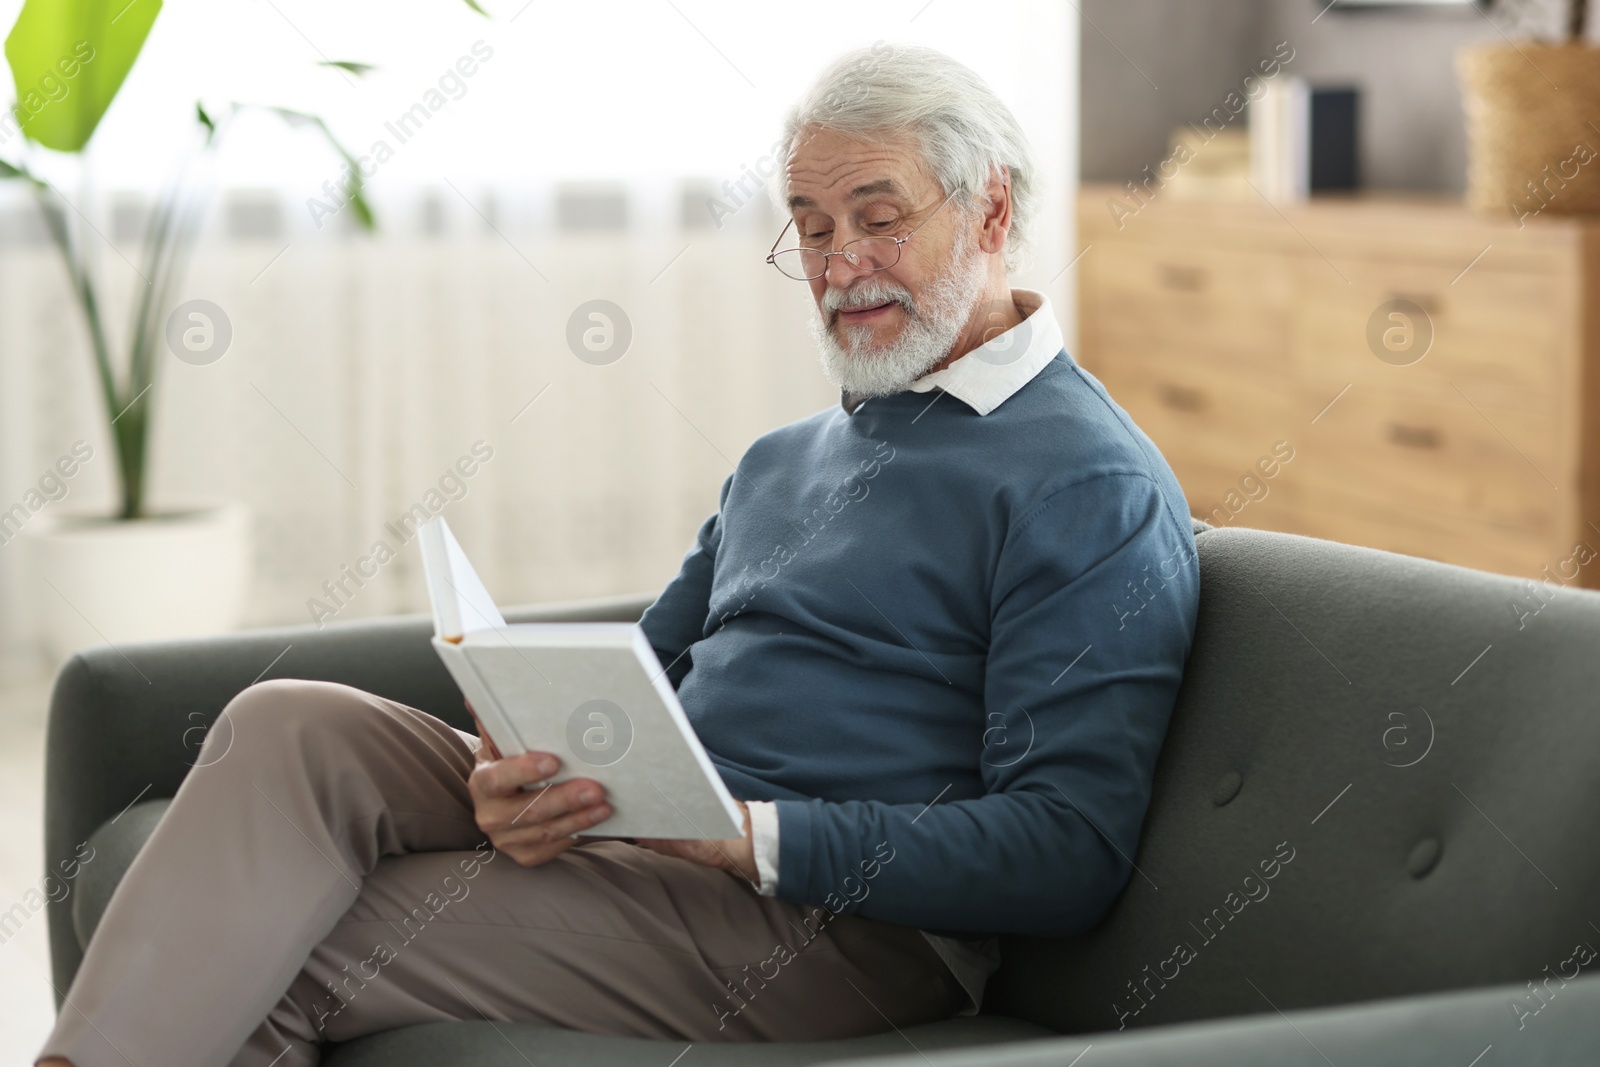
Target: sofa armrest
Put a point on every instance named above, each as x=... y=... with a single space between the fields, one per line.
x=126 y=723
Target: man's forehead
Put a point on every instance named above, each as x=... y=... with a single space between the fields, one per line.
x=876 y=187
x=828 y=166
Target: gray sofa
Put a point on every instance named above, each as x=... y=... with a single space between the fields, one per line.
x=1370 y=839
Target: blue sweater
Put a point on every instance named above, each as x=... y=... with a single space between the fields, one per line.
x=947 y=645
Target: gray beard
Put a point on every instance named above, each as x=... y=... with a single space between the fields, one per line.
x=930 y=331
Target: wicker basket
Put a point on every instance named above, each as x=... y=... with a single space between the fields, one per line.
x=1531 y=147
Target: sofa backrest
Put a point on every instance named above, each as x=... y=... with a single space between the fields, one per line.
x=1382 y=777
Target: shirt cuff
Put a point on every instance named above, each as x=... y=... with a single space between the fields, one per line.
x=764 y=841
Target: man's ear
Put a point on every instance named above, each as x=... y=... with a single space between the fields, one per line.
x=996 y=196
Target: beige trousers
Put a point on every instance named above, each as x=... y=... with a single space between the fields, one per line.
x=320 y=876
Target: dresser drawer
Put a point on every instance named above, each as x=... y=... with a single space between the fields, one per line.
x=1502 y=336
x=1192 y=409
x=1225 y=433
x=1199 y=303
x=1441 y=455
x=1263 y=495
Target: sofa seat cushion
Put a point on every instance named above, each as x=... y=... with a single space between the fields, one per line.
x=484 y=1044
x=1553 y=1024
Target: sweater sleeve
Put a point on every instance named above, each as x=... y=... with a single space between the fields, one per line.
x=1092 y=617
x=677 y=618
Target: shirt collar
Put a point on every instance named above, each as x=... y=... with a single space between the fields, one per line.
x=990 y=374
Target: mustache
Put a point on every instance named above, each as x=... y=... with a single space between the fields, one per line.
x=835 y=300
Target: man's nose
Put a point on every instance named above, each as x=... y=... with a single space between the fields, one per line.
x=841 y=272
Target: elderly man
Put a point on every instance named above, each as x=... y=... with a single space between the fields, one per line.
x=932 y=638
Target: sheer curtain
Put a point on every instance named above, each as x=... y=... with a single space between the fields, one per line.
x=367 y=373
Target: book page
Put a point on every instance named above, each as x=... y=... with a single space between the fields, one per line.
x=461 y=604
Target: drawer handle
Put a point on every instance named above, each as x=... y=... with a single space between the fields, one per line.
x=1413 y=436
x=1182 y=398
x=1428 y=302
x=1182 y=279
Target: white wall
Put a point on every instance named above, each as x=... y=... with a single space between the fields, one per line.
x=389 y=356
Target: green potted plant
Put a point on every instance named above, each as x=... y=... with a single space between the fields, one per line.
x=143 y=571
x=1532 y=101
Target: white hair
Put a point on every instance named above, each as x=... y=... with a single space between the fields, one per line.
x=962 y=129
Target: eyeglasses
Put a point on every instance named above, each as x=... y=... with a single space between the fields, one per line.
x=864 y=253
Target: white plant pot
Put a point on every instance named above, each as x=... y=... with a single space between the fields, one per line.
x=182 y=572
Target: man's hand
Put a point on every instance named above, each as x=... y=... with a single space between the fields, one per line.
x=488 y=750
x=548 y=825
x=533 y=827
x=734 y=854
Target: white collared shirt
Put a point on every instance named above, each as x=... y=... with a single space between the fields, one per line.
x=987 y=376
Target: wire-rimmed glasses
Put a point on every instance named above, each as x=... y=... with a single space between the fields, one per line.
x=864 y=253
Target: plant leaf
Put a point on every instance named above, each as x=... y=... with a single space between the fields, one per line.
x=205 y=119
x=358 y=69
x=355 y=188
x=11 y=170
x=68 y=59
x=474 y=5
x=293 y=117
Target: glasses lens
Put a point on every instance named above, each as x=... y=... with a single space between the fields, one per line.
x=873 y=253
x=801 y=264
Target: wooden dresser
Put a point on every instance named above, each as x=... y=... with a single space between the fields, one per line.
x=1263 y=350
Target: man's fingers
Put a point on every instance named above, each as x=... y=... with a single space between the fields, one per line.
x=536 y=824
x=544 y=805
x=553 y=830
x=503 y=777
x=518 y=809
x=488 y=748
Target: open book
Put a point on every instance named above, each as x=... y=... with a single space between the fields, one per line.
x=594 y=694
